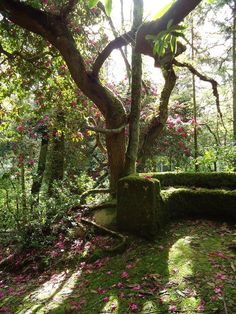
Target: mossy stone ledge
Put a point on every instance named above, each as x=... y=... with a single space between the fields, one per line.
x=139 y=206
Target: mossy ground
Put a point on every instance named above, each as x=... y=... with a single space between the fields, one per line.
x=190 y=269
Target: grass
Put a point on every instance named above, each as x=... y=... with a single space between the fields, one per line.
x=190 y=269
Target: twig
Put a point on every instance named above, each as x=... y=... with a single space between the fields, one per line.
x=205 y=79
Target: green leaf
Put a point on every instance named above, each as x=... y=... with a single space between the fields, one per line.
x=92 y=3
x=163 y=10
x=173 y=44
x=108 y=6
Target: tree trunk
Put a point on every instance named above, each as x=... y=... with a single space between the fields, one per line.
x=133 y=145
x=196 y=166
x=37 y=182
x=234 y=73
x=57 y=157
x=54 y=29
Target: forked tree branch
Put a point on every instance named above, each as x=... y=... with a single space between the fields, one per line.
x=117 y=43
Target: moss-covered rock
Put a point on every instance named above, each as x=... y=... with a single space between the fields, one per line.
x=105 y=217
x=212 y=180
x=202 y=203
x=139 y=208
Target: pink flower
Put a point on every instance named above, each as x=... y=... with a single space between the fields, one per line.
x=136 y=287
x=106 y=299
x=101 y=291
x=221 y=276
x=133 y=307
x=172 y=308
x=75 y=306
x=20 y=128
x=201 y=307
x=218 y=290
x=109 y=272
x=113 y=307
x=124 y=274
x=120 y=285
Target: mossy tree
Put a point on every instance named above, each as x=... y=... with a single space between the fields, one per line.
x=53 y=27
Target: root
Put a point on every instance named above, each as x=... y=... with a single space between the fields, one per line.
x=116 y=249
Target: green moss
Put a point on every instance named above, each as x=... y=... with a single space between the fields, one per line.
x=203 y=203
x=139 y=207
x=205 y=180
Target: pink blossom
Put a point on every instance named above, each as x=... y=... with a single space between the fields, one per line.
x=101 y=291
x=20 y=128
x=109 y=272
x=75 y=306
x=221 y=276
x=218 y=289
x=172 y=308
x=120 y=285
x=201 y=307
x=124 y=274
x=106 y=299
x=136 y=287
x=133 y=307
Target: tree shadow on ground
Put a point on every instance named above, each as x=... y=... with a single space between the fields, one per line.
x=186 y=270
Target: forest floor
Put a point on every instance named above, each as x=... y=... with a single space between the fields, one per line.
x=189 y=269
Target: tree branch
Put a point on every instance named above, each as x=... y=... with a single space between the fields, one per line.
x=67 y=9
x=179 y=10
x=117 y=43
x=205 y=79
x=115 y=33
x=105 y=131
x=157 y=123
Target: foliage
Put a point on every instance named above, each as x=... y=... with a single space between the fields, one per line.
x=167 y=39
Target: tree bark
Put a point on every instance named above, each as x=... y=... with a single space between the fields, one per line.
x=54 y=29
x=56 y=171
x=157 y=123
x=196 y=166
x=37 y=182
x=234 y=72
x=133 y=145
x=178 y=11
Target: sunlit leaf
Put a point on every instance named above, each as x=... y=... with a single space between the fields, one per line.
x=93 y=3
x=108 y=6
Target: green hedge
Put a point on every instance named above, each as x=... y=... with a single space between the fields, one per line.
x=202 y=203
x=215 y=180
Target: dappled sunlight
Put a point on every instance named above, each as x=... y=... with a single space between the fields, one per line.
x=52 y=293
x=181 y=275
x=149 y=307
x=112 y=306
